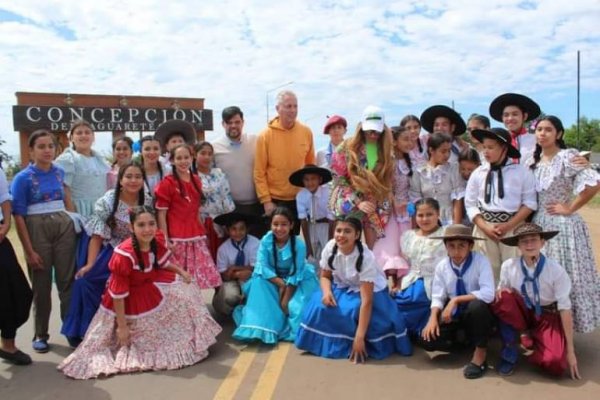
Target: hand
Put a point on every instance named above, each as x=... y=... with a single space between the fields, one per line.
x=400 y=209
x=328 y=299
x=572 y=361
x=431 y=330
x=170 y=245
x=82 y=271
x=123 y=335
x=580 y=161
x=359 y=352
x=448 y=310
x=558 y=209
x=243 y=275
x=185 y=276
x=367 y=207
x=489 y=230
x=34 y=261
x=269 y=207
x=503 y=290
x=502 y=229
x=3 y=231
x=284 y=306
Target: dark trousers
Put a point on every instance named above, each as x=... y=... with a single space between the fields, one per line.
x=290 y=205
x=474 y=324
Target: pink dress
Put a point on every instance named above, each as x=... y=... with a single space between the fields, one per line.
x=169 y=324
x=185 y=230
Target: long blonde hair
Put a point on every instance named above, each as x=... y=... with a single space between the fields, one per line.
x=379 y=181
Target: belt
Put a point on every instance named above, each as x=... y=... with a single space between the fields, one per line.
x=496 y=216
x=550 y=308
x=321 y=220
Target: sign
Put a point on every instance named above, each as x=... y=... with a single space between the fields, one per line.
x=59 y=119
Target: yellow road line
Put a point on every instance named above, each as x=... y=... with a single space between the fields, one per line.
x=268 y=379
x=232 y=381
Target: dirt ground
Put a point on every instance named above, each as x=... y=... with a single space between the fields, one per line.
x=236 y=371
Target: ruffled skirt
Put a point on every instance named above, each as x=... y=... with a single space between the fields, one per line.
x=176 y=334
x=194 y=257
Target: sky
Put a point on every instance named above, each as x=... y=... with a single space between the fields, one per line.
x=339 y=56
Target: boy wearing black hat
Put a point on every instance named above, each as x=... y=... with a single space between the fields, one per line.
x=461 y=291
x=533 y=294
x=313 y=208
x=443 y=119
x=500 y=195
x=235 y=260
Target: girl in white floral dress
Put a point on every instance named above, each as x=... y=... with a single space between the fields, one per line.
x=563 y=188
x=216 y=194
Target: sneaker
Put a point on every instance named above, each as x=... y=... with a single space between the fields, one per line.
x=505 y=368
x=16 y=358
x=474 y=371
x=40 y=345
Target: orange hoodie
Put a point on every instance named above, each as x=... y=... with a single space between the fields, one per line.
x=279 y=152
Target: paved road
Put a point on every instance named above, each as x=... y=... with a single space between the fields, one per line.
x=235 y=371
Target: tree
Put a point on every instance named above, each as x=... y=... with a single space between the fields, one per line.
x=589 y=135
x=4 y=157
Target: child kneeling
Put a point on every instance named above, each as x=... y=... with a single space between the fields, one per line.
x=533 y=294
x=463 y=287
x=352 y=316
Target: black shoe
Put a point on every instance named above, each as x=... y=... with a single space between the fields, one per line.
x=474 y=371
x=74 y=341
x=16 y=358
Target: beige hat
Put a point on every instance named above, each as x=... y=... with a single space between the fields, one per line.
x=457 y=232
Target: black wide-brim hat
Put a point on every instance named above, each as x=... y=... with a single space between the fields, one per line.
x=514 y=99
x=234 y=216
x=429 y=115
x=297 y=176
x=186 y=129
x=500 y=135
x=527 y=229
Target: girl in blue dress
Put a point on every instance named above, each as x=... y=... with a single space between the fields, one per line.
x=281 y=284
x=352 y=316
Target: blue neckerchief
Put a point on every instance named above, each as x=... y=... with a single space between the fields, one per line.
x=534 y=283
x=329 y=153
x=460 y=284
x=240 y=259
x=455 y=148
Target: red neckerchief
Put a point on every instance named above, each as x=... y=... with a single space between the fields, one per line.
x=514 y=140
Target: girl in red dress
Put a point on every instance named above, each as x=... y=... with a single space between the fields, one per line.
x=143 y=293
x=178 y=198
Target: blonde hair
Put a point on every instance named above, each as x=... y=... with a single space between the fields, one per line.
x=379 y=181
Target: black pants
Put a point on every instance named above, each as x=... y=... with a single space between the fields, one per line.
x=290 y=205
x=475 y=323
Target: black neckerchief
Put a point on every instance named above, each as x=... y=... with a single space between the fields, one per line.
x=488 y=180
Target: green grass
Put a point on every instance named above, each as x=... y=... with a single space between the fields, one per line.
x=595 y=202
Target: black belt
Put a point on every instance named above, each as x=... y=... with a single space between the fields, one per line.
x=497 y=217
x=321 y=220
x=550 y=308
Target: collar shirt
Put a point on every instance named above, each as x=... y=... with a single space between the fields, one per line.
x=314 y=206
x=227 y=253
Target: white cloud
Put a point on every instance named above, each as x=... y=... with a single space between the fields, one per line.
x=342 y=55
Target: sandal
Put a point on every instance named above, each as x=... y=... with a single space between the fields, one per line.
x=16 y=358
x=474 y=371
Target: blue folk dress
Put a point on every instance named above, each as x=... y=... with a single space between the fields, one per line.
x=87 y=291
x=329 y=331
x=261 y=317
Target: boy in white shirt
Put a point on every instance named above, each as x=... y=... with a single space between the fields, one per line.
x=312 y=203
x=533 y=294
x=235 y=260
x=462 y=289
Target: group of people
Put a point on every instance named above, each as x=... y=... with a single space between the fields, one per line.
x=435 y=239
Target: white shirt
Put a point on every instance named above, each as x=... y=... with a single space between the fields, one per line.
x=478 y=280
x=227 y=253
x=553 y=283
x=304 y=203
x=526 y=146
x=4 y=193
x=519 y=189
x=345 y=274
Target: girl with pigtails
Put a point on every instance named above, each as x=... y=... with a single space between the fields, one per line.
x=141 y=295
x=150 y=161
x=352 y=316
x=104 y=230
x=178 y=199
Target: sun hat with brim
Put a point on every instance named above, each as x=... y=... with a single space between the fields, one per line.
x=500 y=135
x=234 y=216
x=186 y=129
x=334 y=120
x=429 y=115
x=527 y=229
x=297 y=176
x=514 y=99
x=373 y=119
x=457 y=232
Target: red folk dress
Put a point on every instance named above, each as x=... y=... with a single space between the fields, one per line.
x=185 y=230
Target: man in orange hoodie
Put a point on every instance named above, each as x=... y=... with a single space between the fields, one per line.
x=283 y=147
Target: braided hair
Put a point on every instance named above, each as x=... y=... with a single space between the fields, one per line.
x=357 y=225
x=110 y=221
x=396 y=132
x=557 y=124
x=133 y=215
x=287 y=214
x=193 y=176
